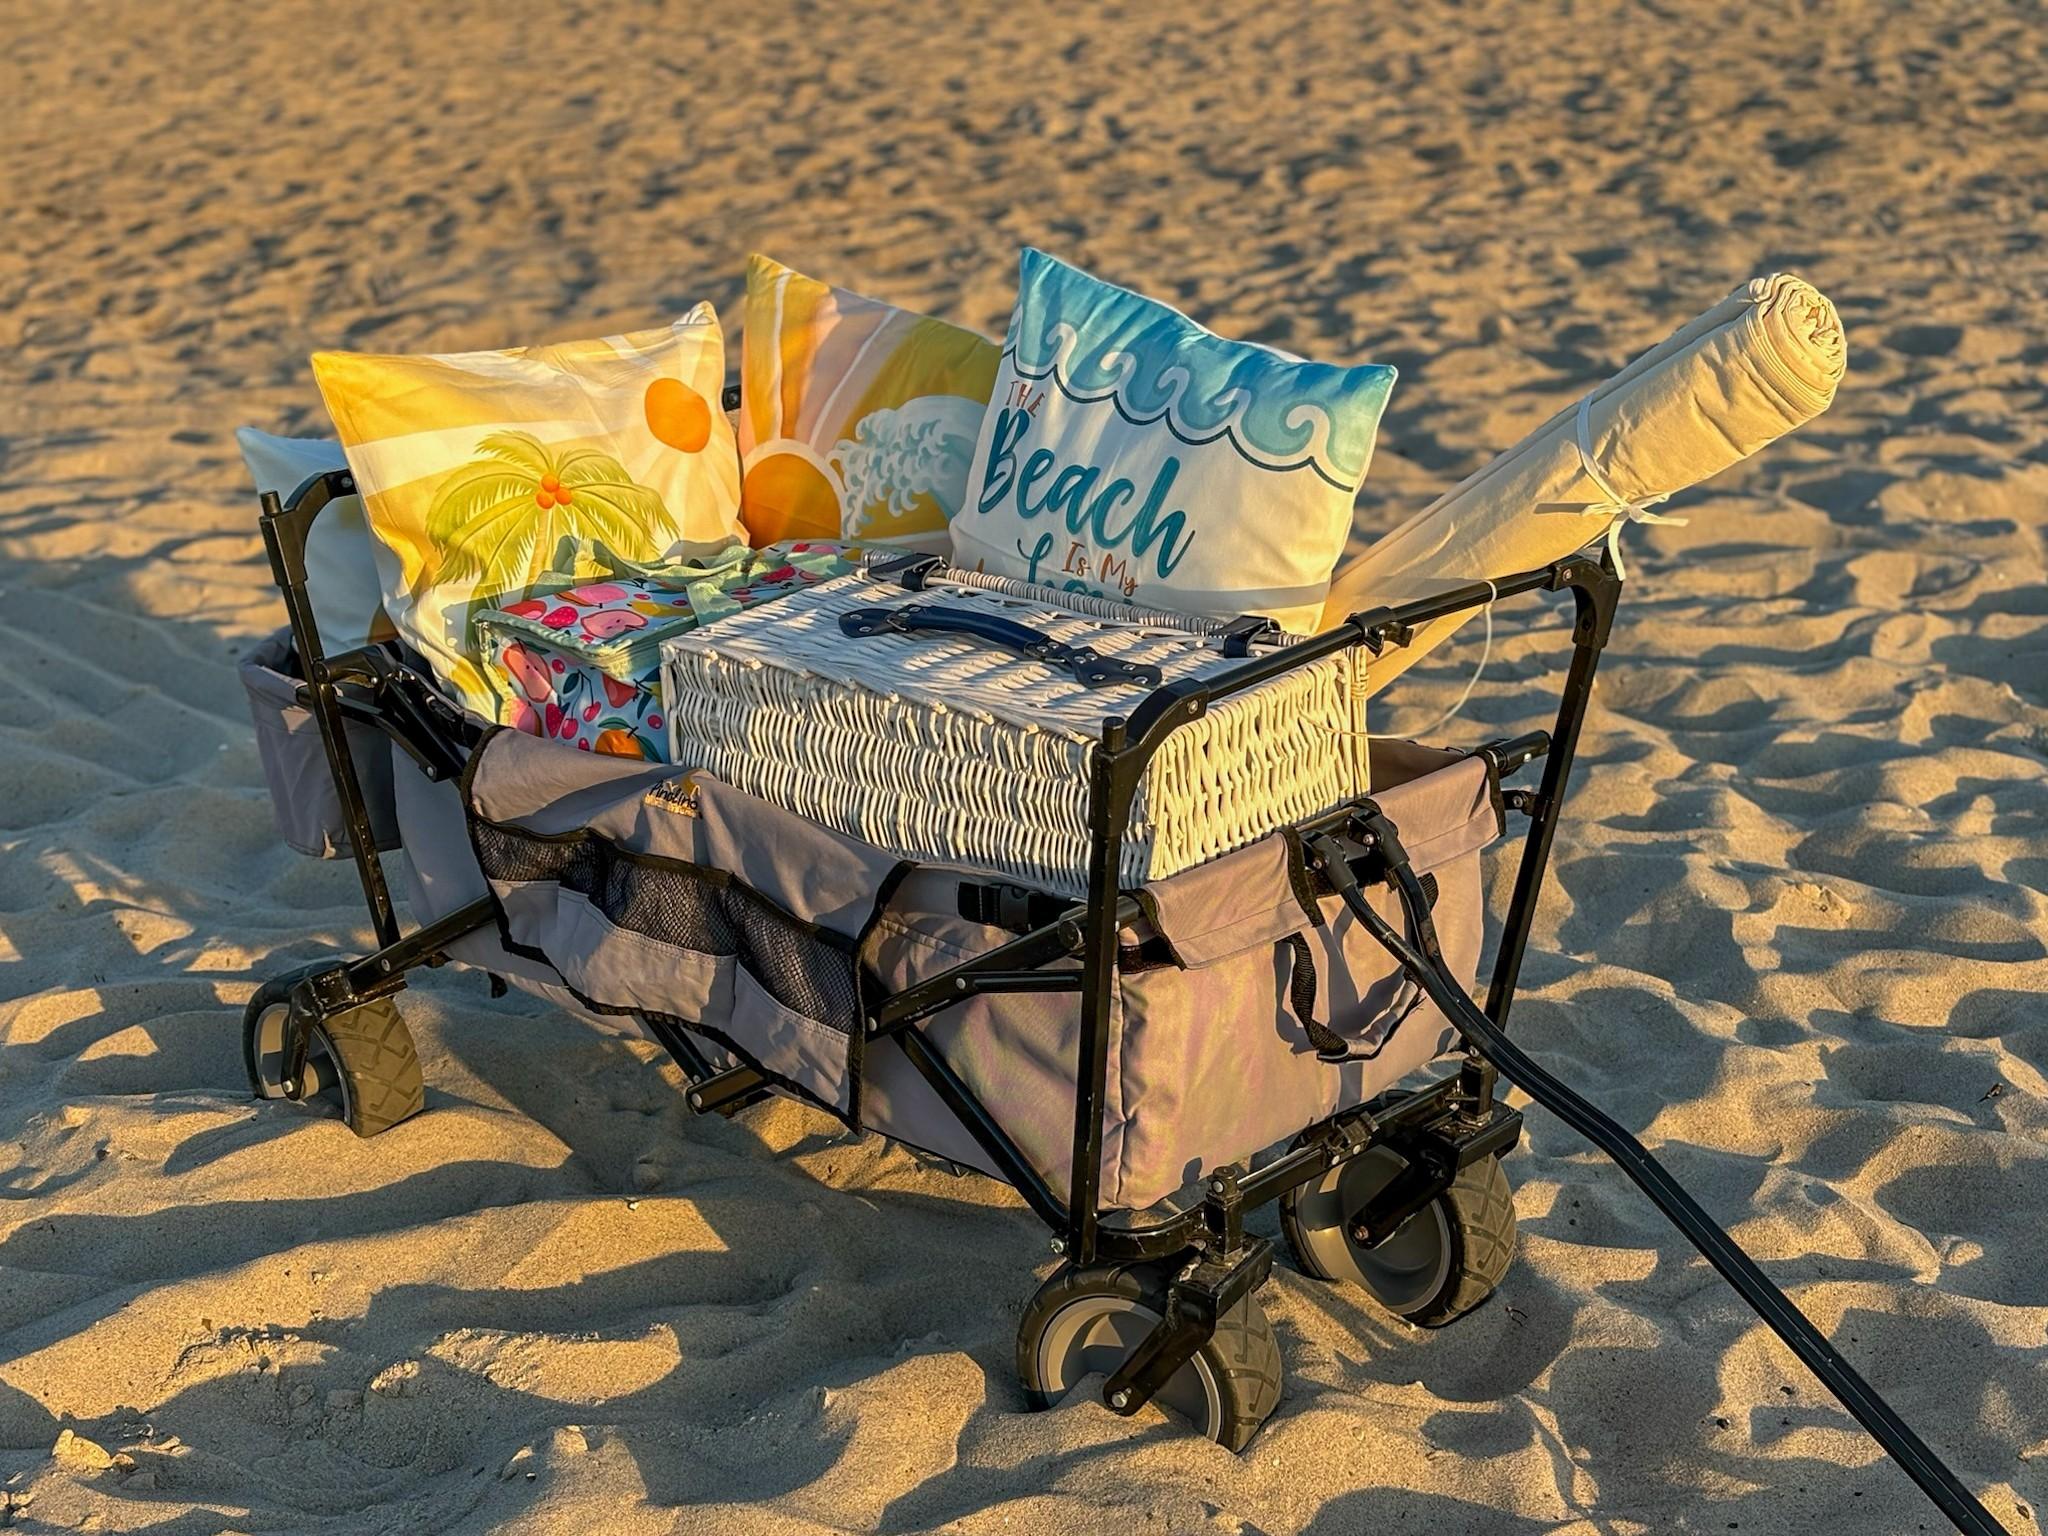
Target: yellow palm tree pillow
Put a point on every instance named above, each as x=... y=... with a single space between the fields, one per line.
x=475 y=466
x=857 y=419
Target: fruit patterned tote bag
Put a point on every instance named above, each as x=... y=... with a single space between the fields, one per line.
x=474 y=467
x=857 y=419
x=1129 y=453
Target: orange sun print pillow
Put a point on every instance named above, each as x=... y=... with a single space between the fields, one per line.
x=857 y=419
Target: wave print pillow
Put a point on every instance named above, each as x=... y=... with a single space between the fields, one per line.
x=1129 y=453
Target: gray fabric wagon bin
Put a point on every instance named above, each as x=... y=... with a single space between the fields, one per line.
x=1210 y=1059
x=302 y=792
x=657 y=892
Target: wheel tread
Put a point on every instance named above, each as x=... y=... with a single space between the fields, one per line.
x=1479 y=1212
x=1482 y=1209
x=1246 y=1359
x=375 y=1052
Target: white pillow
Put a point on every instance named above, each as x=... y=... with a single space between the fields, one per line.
x=341 y=557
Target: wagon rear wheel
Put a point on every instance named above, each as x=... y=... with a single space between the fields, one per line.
x=361 y=1062
x=1441 y=1263
x=1088 y=1321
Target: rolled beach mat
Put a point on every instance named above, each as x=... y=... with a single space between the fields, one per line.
x=1763 y=361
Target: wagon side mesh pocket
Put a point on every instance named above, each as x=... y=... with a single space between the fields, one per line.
x=632 y=932
x=811 y=971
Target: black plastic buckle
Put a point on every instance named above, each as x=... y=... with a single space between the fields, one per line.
x=1245 y=631
x=913 y=572
x=998 y=905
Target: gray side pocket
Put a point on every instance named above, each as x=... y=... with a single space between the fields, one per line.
x=686 y=943
x=614 y=966
x=302 y=792
x=824 y=1061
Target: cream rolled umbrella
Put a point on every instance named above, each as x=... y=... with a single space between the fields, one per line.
x=1763 y=361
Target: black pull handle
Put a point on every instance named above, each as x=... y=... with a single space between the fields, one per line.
x=1089 y=668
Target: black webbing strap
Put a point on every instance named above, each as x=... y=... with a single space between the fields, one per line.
x=1329 y=1045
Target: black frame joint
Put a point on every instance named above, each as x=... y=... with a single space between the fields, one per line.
x=1223 y=1207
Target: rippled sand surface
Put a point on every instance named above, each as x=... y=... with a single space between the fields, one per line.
x=1797 y=938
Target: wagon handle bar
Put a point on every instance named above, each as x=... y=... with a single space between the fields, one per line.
x=1719 y=1249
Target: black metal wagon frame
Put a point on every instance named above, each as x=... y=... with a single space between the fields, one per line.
x=1208 y=1260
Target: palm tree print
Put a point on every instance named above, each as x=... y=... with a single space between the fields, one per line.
x=500 y=519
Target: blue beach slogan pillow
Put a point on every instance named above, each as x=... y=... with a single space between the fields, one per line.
x=1130 y=453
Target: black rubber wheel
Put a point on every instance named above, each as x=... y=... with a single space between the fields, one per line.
x=1443 y=1261
x=361 y=1062
x=1089 y=1320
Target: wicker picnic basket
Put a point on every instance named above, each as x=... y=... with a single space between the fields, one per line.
x=953 y=723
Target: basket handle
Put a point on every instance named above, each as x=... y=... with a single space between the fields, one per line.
x=1091 y=669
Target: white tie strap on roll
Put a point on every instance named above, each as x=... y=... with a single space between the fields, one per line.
x=1616 y=507
x=1763 y=361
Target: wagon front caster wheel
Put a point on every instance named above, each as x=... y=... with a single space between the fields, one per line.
x=1088 y=1320
x=360 y=1061
x=1440 y=1264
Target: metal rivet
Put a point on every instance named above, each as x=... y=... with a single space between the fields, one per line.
x=959 y=983
x=1059 y=1245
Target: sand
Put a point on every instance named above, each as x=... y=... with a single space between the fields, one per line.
x=1797 y=939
